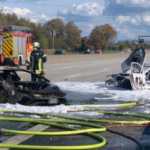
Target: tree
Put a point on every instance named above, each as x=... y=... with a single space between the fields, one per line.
x=72 y=36
x=11 y=19
x=58 y=26
x=41 y=36
x=68 y=33
x=85 y=44
x=102 y=35
x=3 y=20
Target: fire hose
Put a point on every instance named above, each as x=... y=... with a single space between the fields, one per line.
x=47 y=122
x=70 y=120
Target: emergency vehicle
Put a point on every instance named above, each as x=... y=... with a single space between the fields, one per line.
x=16 y=44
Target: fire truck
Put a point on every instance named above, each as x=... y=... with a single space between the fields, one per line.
x=16 y=44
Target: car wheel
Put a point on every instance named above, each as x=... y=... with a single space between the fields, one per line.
x=3 y=95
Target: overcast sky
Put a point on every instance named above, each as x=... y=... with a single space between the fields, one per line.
x=130 y=18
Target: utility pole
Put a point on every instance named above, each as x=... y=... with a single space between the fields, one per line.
x=53 y=40
x=52 y=33
x=53 y=36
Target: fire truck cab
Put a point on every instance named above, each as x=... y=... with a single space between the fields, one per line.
x=16 y=44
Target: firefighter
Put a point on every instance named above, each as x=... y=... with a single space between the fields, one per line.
x=37 y=58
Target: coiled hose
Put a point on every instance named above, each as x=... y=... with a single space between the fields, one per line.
x=95 y=128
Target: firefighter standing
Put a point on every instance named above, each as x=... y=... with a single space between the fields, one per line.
x=37 y=58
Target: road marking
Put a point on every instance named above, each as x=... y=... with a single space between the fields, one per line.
x=72 y=76
x=105 y=69
x=21 y=138
x=65 y=67
x=92 y=64
x=108 y=62
x=62 y=68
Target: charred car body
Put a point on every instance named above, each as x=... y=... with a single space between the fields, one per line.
x=135 y=72
x=28 y=92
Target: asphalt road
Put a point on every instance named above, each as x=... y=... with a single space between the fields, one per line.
x=89 y=71
x=85 y=71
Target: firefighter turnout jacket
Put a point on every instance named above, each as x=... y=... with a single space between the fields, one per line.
x=37 y=58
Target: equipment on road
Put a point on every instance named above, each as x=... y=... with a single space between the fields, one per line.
x=135 y=72
x=63 y=124
x=12 y=85
x=16 y=44
x=130 y=104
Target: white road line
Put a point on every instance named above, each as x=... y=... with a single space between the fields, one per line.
x=105 y=69
x=92 y=64
x=108 y=62
x=72 y=76
x=62 y=68
x=65 y=67
x=17 y=139
x=76 y=66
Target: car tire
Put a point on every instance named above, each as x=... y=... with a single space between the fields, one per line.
x=3 y=95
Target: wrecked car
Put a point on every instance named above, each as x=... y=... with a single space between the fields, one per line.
x=14 y=89
x=135 y=72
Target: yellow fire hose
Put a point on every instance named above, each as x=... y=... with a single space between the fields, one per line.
x=111 y=105
x=46 y=122
x=70 y=120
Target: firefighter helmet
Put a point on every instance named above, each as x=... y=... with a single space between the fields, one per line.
x=36 y=45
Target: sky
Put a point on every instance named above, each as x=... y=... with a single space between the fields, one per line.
x=130 y=18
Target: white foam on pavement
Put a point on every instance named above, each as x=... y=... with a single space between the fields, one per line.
x=83 y=92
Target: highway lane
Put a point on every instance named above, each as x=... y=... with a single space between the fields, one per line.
x=86 y=71
x=83 y=71
x=89 y=71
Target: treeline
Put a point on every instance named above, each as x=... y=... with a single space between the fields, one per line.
x=132 y=45
x=67 y=36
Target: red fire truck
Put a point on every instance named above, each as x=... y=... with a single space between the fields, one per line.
x=16 y=44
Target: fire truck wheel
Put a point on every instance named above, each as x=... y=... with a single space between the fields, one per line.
x=3 y=95
x=20 y=61
x=28 y=67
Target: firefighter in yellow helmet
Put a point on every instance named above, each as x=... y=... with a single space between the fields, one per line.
x=37 y=58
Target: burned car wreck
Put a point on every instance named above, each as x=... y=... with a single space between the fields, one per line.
x=135 y=72
x=12 y=86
